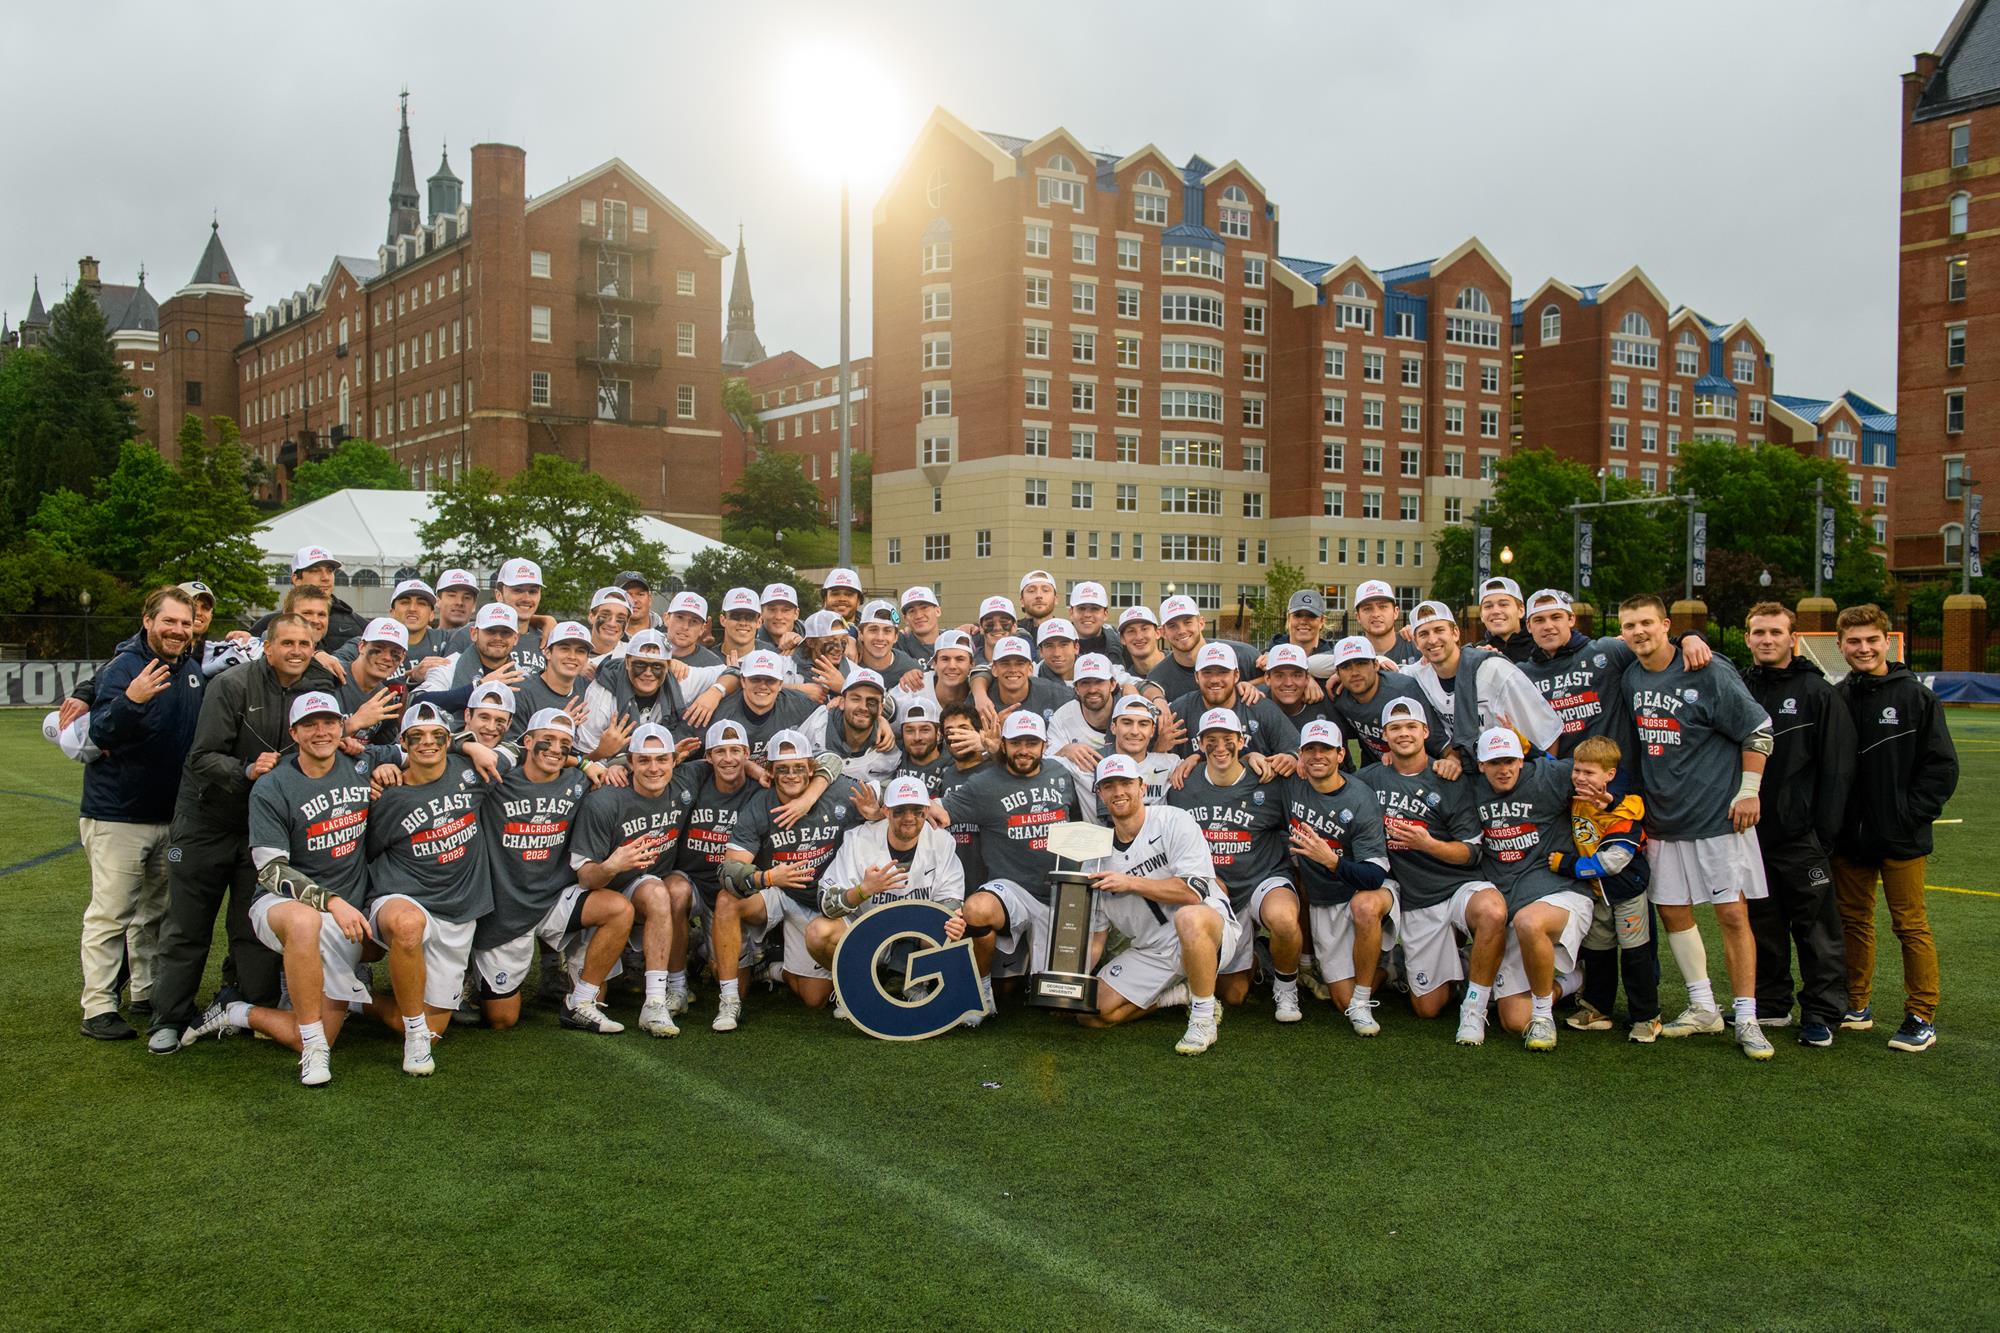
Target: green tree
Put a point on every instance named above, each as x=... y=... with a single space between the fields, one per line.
x=357 y=465
x=63 y=409
x=773 y=495
x=741 y=405
x=715 y=571
x=1281 y=580
x=580 y=528
x=207 y=527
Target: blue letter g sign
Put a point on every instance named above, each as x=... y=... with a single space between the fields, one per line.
x=868 y=1001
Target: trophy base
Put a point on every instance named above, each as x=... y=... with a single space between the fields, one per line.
x=1063 y=990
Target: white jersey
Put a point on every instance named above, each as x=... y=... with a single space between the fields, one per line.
x=1500 y=687
x=1069 y=726
x=934 y=872
x=1155 y=767
x=1169 y=845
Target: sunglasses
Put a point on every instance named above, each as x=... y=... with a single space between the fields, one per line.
x=641 y=667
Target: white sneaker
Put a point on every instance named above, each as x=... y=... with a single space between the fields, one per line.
x=987 y=1007
x=656 y=1017
x=1200 y=1035
x=1360 y=1015
x=1287 y=1001
x=417 y=1054
x=839 y=1009
x=316 y=1065
x=589 y=1017
x=678 y=1000
x=1173 y=997
x=1471 y=1029
x=726 y=1014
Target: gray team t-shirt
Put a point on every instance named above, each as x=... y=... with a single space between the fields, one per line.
x=1013 y=815
x=1518 y=830
x=1267 y=729
x=1691 y=727
x=610 y=817
x=527 y=830
x=320 y=824
x=1363 y=721
x=790 y=709
x=427 y=843
x=711 y=819
x=810 y=842
x=1584 y=688
x=1174 y=680
x=1244 y=823
x=1348 y=817
x=1444 y=809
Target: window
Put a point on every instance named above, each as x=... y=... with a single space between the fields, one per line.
x=684 y=339
x=1552 y=324
x=1371 y=413
x=1410 y=461
x=1149 y=199
x=1128 y=252
x=1617 y=435
x=1489 y=379
x=895 y=550
x=937 y=257
x=1673 y=441
x=1083 y=347
x=937 y=352
x=1082 y=396
x=1253 y=458
x=1190 y=500
x=1961 y=205
x=1454 y=421
x=1474 y=327
x=1961 y=145
x=538 y=323
x=1687 y=354
x=1182 y=451
x=684 y=282
x=1411 y=418
x=1125 y=400
x=1649 y=397
x=1756 y=411
x=934 y=189
x=1454 y=462
x=1082 y=495
x=1186 y=354
x=1083 y=298
x=1673 y=402
x=1083 y=247
x=1954 y=478
x=1332 y=502
x=1633 y=345
x=1954 y=278
x=1253 y=272
x=1353 y=311
x=1051 y=191
x=1743 y=363
x=538 y=267
x=1854 y=490
x=1371 y=506
x=1234 y=216
x=1454 y=374
x=1253 y=504
x=1413 y=371
x=982 y=543
x=1406 y=324
x=1190 y=405
x=1191 y=261
x=1128 y=352
x=1954 y=412
x=1190 y=308
x=1333 y=456
x=1036 y=495
x=684 y=401
x=1489 y=467
x=1035 y=392
x=1371 y=460
x=1880 y=492
x=1035 y=342
x=1128 y=303
x=1127 y=446
x=1371 y=367
x=937 y=303
x=1454 y=509
x=1035 y=441
x=1409 y=509
x=1035 y=290
x=1253 y=410
x=1333 y=362
x=538 y=388
x=937 y=401
x=1191 y=548
x=936 y=449
x=1618 y=392
x=1128 y=498
x=1881 y=530
x=1649 y=439
x=937 y=546
x=1954 y=345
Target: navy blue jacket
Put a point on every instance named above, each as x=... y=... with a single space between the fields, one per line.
x=137 y=778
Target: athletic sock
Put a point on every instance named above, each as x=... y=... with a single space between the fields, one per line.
x=582 y=993
x=1569 y=983
x=656 y=986
x=415 y=1027
x=1746 y=1009
x=1692 y=958
x=986 y=992
x=1475 y=1000
x=1201 y=1007
x=312 y=1034
x=237 y=1014
x=677 y=980
x=1545 y=1005
x=729 y=988
x=1285 y=983
x=1362 y=995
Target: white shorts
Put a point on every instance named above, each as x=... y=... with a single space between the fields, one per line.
x=753 y=936
x=1332 y=928
x=798 y=961
x=503 y=969
x=1142 y=975
x=1724 y=869
x=1513 y=976
x=1020 y=944
x=1240 y=958
x=338 y=956
x=1430 y=937
x=447 y=950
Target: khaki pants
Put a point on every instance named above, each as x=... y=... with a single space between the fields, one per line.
x=1903 y=886
x=128 y=897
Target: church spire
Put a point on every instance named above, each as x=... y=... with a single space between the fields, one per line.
x=36 y=313
x=740 y=346
x=404 y=202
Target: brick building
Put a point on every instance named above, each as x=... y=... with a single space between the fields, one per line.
x=1855 y=433
x=131 y=317
x=1948 y=294
x=579 y=322
x=798 y=412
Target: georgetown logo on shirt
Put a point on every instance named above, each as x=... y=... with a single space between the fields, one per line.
x=1889 y=716
x=1790 y=707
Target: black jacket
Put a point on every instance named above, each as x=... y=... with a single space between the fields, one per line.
x=145 y=745
x=1905 y=766
x=1515 y=647
x=1811 y=768
x=342 y=624
x=245 y=712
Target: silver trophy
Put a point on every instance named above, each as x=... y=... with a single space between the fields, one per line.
x=1063 y=981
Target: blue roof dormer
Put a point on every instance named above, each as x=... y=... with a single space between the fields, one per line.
x=1402 y=273
x=1396 y=303
x=1189 y=233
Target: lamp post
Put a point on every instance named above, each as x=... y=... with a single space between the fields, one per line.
x=84 y=598
x=1764 y=578
x=1506 y=555
x=846 y=459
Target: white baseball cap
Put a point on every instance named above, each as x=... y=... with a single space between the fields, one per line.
x=1371 y=589
x=1429 y=612
x=905 y=790
x=788 y=744
x=648 y=643
x=1089 y=594
x=1037 y=576
x=1353 y=648
x=1216 y=655
x=457 y=578
x=1143 y=614
x=1176 y=607
x=1496 y=585
x=779 y=592
x=568 y=631
x=1320 y=731
x=414 y=587
x=1548 y=599
x=520 y=574
x=423 y=715
x=492 y=694
x=1055 y=627
x=1092 y=666
x=384 y=630
x=761 y=664
x=308 y=556
x=919 y=709
x=1403 y=708
x=545 y=718
x=1012 y=646
x=1022 y=724
x=879 y=610
x=1116 y=766
x=726 y=732
x=919 y=596
x=315 y=703
x=650 y=736
x=603 y=595
x=739 y=599
x=1220 y=719
x=952 y=640
x=689 y=604
x=497 y=615
x=74 y=739
x=862 y=675
x=997 y=606
x=1285 y=655
x=824 y=625
x=1135 y=705
x=842 y=578
x=1499 y=743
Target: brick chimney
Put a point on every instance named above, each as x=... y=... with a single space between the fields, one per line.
x=86 y=273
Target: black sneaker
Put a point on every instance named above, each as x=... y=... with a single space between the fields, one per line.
x=1916 y=1034
x=108 y=1026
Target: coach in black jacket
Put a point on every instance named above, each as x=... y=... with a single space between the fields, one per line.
x=242 y=733
x=1804 y=799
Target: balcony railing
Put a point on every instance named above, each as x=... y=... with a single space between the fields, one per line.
x=618 y=238
x=614 y=355
x=623 y=291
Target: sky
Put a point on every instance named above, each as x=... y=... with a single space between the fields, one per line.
x=1744 y=154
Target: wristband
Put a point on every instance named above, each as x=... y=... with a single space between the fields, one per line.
x=1752 y=783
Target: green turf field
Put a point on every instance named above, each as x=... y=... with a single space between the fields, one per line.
x=798 y=1173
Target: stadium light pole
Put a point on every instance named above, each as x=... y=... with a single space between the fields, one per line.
x=846 y=457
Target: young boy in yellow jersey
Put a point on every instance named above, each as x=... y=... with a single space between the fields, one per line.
x=1607 y=863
